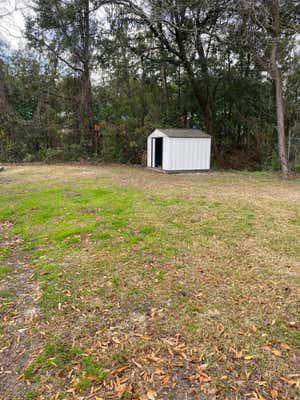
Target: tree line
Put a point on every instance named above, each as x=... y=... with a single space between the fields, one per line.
x=96 y=76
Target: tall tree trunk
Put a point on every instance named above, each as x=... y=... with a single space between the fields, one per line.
x=206 y=108
x=87 y=106
x=203 y=97
x=86 y=99
x=4 y=107
x=163 y=72
x=143 y=99
x=276 y=75
x=203 y=101
x=205 y=105
x=267 y=20
x=282 y=151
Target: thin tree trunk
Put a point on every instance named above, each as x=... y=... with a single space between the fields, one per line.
x=86 y=97
x=203 y=101
x=205 y=105
x=86 y=110
x=144 y=99
x=4 y=107
x=87 y=102
x=282 y=151
x=163 y=72
x=276 y=75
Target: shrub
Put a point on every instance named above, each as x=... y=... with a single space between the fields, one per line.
x=51 y=154
x=297 y=168
x=275 y=162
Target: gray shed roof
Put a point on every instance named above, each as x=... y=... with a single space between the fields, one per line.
x=184 y=133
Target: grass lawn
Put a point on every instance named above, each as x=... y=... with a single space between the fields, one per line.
x=148 y=286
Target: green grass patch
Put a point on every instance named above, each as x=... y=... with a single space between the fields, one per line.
x=61 y=356
x=4 y=253
x=4 y=271
x=31 y=394
x=291 y=336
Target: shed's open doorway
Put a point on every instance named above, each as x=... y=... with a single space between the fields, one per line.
x=158 y=152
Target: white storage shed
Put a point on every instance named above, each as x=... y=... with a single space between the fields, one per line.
x=179 y=150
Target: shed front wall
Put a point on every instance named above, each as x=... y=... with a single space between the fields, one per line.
x=151 y=150
x=188 y=154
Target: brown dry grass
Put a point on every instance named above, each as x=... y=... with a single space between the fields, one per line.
x=171 y=286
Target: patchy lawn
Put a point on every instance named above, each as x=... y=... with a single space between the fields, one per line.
x=121 y=283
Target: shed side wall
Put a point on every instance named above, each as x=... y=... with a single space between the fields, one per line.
x=189 y=154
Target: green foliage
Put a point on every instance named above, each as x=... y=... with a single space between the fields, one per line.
x=51 y=154
x=297 y=168
x=275 y=162
x=124 y=143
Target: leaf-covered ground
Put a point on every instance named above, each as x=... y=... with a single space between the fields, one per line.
x=122 y=283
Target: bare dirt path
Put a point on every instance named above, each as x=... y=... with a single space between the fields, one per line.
x=18 y=296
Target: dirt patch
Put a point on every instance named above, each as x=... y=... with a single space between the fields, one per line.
x=5 y=180
x=19 y=294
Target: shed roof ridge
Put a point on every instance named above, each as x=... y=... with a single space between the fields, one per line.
x=184 y=132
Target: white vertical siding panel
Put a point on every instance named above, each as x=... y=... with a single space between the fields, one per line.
x=149 y=149
x=166 y=153
x=189 y=154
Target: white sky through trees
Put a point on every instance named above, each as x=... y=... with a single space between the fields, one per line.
x=12 y=21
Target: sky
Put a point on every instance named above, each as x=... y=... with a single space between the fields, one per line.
x=12 y=20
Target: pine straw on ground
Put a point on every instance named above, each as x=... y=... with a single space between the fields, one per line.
x=156 y=286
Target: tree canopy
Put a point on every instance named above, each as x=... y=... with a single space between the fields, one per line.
x=96 y=76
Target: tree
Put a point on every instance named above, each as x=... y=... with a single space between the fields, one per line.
x=71 y=31
x=187 y=32
x=268 y=31
x=157 y=63
x=3 y=89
